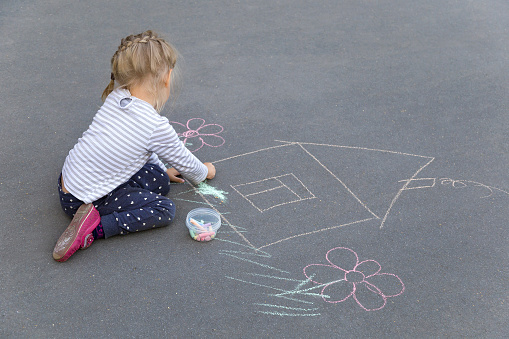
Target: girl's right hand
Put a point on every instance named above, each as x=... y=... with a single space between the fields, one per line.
x=212 y=170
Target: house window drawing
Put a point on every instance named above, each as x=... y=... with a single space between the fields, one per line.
x=273 y=192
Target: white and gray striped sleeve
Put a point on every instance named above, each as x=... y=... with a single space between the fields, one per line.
x=165 y=143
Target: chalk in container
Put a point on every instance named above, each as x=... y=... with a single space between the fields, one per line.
x=203 y=223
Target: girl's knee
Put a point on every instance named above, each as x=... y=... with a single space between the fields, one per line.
x=164 y=187
x=167 y=208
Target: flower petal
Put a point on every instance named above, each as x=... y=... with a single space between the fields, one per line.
x=368 y=268
x=195 y=124
x=338 y=291
x=323 y=274
x=390 y=285
x=343 y=258
x=369 y=297
x=210 y=129
x=196 y=145
x=178 y=127
x=212 y=140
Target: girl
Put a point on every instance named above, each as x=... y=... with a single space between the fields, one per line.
x=113 y=181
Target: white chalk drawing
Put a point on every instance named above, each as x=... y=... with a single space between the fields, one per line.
x=278 y=191
x=286 y=188
x=325 y=187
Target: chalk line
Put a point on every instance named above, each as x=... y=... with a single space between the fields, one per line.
x=353 y=147
x=257 y=251
x=453 y=182
x=298 y=291
x=401 y=190
x=274 y=277
x=341 y=182
x=283 y=314
x=256 y=263
x=316 y=231
x=284 y=292
x=433 y=180
x=248 y=153
x=256 y=284
x=287 y=308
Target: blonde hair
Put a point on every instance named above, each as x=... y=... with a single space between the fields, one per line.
x=145 y=59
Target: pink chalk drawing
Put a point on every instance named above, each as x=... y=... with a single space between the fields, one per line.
x=201 y=133
x=363 y=282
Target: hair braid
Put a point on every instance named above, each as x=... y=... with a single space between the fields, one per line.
x=139 y=57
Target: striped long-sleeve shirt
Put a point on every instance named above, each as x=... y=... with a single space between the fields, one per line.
x=125 y=134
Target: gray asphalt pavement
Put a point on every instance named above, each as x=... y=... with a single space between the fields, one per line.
x=361 y=150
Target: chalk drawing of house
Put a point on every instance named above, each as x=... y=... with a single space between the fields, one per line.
x=295 y=189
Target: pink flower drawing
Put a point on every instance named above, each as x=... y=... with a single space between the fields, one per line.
x=196 y=133
x=346 y=277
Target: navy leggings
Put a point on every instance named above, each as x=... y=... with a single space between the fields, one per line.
x=137 y=205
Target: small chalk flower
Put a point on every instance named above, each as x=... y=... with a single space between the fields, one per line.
x=201 y=133
x=346 y=277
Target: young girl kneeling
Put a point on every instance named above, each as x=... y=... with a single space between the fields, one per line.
x=113 y=181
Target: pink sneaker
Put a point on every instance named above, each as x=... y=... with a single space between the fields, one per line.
x=78 y=234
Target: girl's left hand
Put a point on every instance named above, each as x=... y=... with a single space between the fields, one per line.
x=173 y=174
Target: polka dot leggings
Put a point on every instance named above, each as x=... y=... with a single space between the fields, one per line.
x=137 y=205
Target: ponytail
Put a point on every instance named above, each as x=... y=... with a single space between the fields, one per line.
x=108 y=88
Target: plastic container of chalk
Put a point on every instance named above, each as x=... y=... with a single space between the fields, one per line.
x=203 y=223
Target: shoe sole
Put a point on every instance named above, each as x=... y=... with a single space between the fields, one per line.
x=79 y=227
